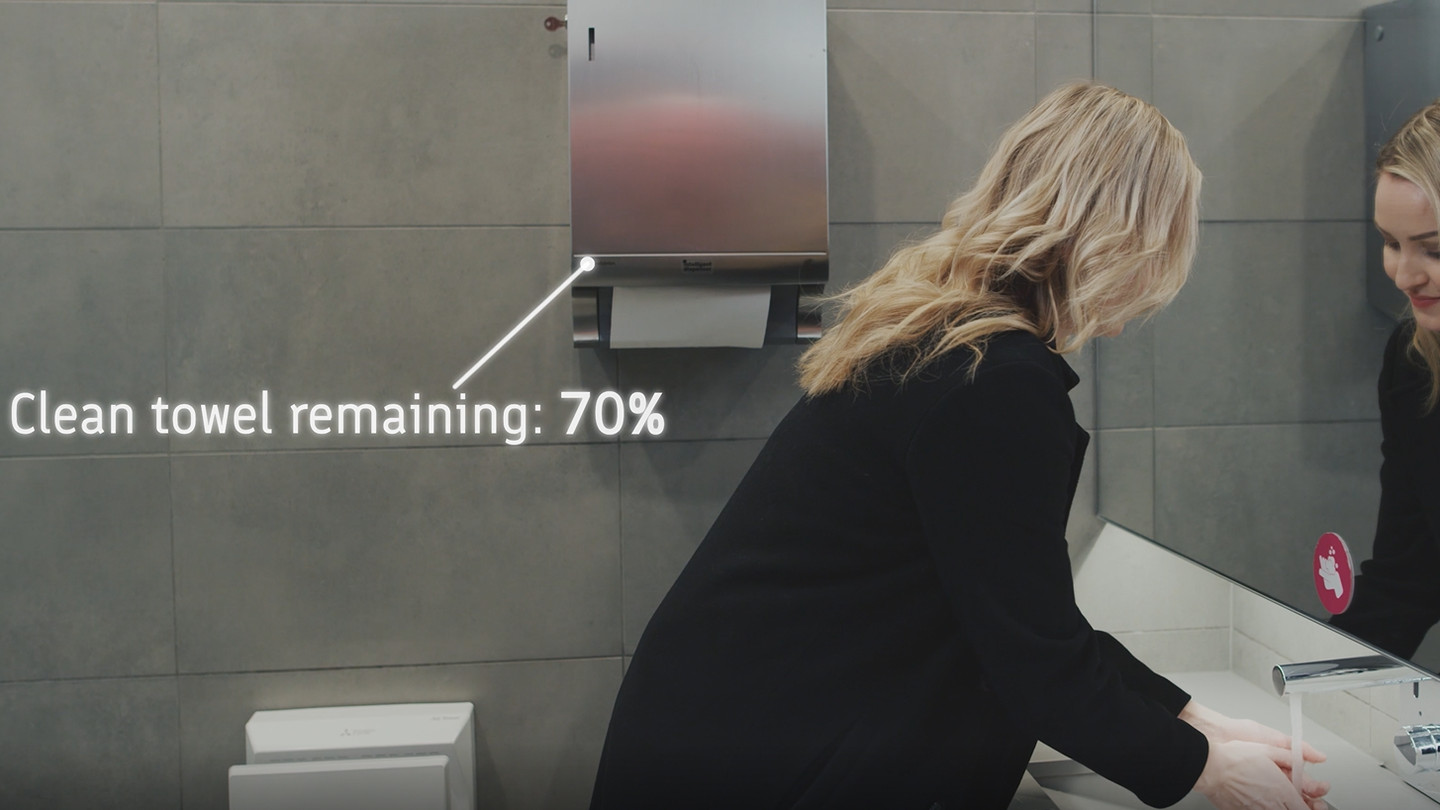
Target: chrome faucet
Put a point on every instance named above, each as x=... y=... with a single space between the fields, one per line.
x=1419 y=744
x=1341 y=673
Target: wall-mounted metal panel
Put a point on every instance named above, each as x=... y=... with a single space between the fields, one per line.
x=698 y=145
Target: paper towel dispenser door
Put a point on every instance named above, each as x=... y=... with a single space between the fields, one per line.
x=698 y=152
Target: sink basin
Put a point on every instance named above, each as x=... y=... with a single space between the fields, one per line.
x=1072 y=786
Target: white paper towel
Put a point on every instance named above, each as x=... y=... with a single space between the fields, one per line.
x=651 y=317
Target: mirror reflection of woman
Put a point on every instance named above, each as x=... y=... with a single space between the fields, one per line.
x=883 y=614
x=1397 y=594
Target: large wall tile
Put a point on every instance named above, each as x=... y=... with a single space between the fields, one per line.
x=79 y=745
x=913 y=115
x=374 y=316
x=1265 y=8
x=856 y=251
x=1275 y=119
x=290 y=560
x=1252 y=501
x=550 y=5
x=80 y=136
x=85 y=572
x=1124 y=6
x=539 y=726
x=81 y=317
x=1062 y=50
x=295 y=114
x=935 y=5
x=670 y=494
x=716 y=393
x=1273 y=327
x=1124 y=53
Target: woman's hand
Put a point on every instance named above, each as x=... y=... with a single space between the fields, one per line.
x=1221 y=730
x=1244 y=775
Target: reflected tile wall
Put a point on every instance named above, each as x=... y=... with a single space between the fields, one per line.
x=1127 y=478
x=1258 y=381
x=1275 y=119
x=1273 y=327
x=1125 y=378
x=1252 y=500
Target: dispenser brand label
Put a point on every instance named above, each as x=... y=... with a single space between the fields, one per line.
x=1334 y=573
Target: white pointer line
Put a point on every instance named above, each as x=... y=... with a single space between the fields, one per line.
x=586 y=265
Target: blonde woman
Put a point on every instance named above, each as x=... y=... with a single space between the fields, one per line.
x=882 y=616
x=1397 y=595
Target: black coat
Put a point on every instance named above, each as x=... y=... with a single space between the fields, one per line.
x=1397 y=594
x=883 y=616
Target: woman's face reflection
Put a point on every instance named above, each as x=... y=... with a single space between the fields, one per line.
x=1412 y=246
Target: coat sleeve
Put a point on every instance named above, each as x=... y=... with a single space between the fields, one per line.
x=1141 y=678
x=1397 y=594
x=989 y=467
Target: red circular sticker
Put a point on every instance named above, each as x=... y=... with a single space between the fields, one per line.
x=1334 y=573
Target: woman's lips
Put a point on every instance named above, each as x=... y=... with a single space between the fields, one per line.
x=1423 y=302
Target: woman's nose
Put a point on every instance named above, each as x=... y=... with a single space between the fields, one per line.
x=1408 y=272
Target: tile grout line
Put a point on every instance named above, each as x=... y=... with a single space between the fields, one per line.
x=620 y=513
x=170 y=492
x=156 y=676
x=1094 y=40
x=620 y=529
x=165 y=298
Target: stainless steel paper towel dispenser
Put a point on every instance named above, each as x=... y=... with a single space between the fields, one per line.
x=698 y=153
x=1402 y=74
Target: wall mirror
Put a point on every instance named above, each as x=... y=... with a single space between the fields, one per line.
x=1242 y=422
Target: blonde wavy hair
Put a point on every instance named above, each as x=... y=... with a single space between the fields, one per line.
x=1413 y=153
x=1086 y=217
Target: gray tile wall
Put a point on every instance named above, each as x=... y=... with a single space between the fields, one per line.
x=202 y=201
x=1241 y=423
